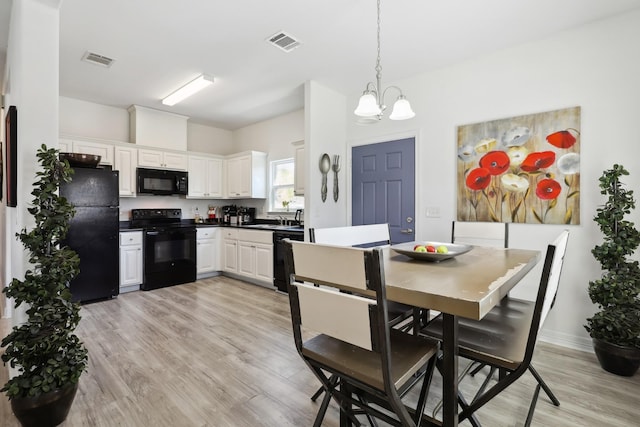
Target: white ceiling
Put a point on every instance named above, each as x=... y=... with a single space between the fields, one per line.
x=158 y=45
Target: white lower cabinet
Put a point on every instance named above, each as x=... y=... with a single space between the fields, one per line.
x=230 y=250
x=130 y=260
x=255 y=255
x=207 y=251
x=248 y=254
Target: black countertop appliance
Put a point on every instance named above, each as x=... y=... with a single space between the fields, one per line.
x=229 y=212
x=93 y=232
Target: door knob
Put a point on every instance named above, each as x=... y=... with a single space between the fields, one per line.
x=407 y=231
x=409 y=220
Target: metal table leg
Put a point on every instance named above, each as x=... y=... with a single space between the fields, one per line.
x=450 y=370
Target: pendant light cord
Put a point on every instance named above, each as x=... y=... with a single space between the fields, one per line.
x=378 y=66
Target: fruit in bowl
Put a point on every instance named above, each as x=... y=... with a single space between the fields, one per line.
x=419 y=248
x=442 y=249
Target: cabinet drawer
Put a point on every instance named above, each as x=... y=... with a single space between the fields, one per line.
x=229 y=233
x=131 y=238
x=256 y=236
x=206 y=233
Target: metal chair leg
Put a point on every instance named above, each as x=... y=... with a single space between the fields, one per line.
x=317 y=393
x=333 y=380
x=532 y=407
x=544 y=386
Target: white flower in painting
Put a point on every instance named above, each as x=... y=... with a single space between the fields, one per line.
x=516 y=137
x=466 y=152
x=514 y=183
x=569 y=164
x=517 y=155
x=485 y=145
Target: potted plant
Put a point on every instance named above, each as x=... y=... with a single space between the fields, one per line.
x=49 y=357
x=615 y=328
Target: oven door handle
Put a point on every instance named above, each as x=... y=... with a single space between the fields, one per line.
x=152 y=233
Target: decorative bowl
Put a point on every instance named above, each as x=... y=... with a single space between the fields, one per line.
x=453 y=250
x=81 y=160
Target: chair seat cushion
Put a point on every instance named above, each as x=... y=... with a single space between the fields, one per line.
x=408 y=354
x=500 y=338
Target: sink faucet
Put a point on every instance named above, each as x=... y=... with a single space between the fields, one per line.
x=282 y=219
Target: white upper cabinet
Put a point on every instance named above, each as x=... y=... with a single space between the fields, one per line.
x=161 y=159
x=205 y=177
x=125 y=162
x=247 y=175
x=65 y=145
x=105 y=151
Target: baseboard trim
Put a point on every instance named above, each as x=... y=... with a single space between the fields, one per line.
x=567 y=340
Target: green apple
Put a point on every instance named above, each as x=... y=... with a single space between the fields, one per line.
x=442 y=249
x=420 y=248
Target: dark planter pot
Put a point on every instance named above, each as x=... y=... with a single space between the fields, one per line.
x=617 y=359
x=46 y=410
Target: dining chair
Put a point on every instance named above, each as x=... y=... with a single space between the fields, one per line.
x=505 y=338
x=356 y=355
x=369 y=235
x=494 y=234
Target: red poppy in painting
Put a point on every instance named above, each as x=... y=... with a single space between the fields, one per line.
x=496 y=162
x=561 y=139
x=538 y=160
x=548 y=189
x=479 y=179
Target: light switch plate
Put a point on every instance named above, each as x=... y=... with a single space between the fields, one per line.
x=432 y=212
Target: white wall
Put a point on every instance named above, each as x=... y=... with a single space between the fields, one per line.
x=208 y=139
x=82 y=118
x=88 y=119
x=325 y=125
x=275 y=137
x=593 y=67
x=32 y=86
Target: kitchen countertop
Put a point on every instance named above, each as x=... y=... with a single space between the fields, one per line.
x=125 y=226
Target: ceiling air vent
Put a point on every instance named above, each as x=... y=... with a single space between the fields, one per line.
x=96 y=59
x=284 y=41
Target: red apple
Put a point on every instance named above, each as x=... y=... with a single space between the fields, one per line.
x=431 y=249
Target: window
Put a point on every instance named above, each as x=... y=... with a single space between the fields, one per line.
x=282 y=198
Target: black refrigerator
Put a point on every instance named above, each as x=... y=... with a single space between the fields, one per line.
x=94 y=232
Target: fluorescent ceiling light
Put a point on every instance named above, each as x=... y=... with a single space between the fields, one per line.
x=189 y=89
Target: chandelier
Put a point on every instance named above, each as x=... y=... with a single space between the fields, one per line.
x=371 y=105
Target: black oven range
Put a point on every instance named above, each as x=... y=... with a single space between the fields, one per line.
x=169 y=247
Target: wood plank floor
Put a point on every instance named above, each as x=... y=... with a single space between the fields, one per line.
x=219 y=352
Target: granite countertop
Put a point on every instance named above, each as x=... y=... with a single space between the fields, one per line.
x=126 y=226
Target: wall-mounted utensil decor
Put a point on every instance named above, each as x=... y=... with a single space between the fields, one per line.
x=325 y=165
x=336 y=168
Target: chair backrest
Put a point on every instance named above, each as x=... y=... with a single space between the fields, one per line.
x=355 y=319
x=494 y=234
x=554 y=275
x=549 y=283
x=357 y=235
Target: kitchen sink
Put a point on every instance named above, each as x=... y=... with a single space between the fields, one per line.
x=276 y=227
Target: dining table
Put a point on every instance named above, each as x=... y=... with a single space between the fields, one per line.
x=468 y=285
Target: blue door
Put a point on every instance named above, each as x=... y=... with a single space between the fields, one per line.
x=383 y=177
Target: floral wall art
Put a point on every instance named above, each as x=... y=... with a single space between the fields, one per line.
x=523 y=169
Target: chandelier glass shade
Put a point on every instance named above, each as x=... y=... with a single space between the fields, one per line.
x=371 y=106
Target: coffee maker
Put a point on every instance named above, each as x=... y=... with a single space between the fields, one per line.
x=229 y=214
x=246 y=215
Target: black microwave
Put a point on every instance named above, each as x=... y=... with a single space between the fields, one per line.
x=162 y=182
